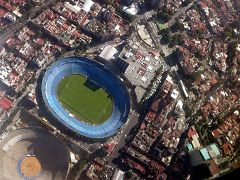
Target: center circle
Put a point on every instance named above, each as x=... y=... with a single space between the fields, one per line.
x=30 y=166
x=84 y=99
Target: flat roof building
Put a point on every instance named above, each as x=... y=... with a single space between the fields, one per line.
x=132 y=9
x=118 y=175
x=108 y=52
x=139 y=65
x=87 y=5
x=204 y=153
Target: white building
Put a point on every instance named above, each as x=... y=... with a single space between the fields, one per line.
x=108 y=52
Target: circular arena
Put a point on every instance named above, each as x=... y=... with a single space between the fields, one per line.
x=33 y=153
x=102 y=77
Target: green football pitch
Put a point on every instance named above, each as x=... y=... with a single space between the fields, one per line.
x=84 y=99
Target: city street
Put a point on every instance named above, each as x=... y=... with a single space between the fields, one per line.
x=120 y=138
x=179 y=13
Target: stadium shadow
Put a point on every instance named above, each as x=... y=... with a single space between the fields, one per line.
x=91 y=85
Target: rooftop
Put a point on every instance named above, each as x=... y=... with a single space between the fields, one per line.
x=108 y=52
x=140 y=63
x=5 y=102
x=205 y=154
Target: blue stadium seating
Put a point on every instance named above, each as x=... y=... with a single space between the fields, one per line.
x=104 y=78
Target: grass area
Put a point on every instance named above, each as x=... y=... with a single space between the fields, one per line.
x=84 y=99
x=160 y=25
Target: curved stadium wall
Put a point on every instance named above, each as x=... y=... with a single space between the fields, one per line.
x=99 y=74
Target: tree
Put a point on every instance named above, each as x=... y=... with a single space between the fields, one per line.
x=176 y=39
x=232 y=50
x=228 y=32
x=164 y=16
x=166 y=37
x=39 y=33
x=177 y=26
x=186 y=2
x=195 y=75
x=130 y=30
x=129 y=174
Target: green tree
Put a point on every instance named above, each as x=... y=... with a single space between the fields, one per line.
x=186 y=2
x=166 y=37
x=39 y=33
x=228 y=32
x=177 y=26
x=232 y=50
x=176 y=39
x=163 y=16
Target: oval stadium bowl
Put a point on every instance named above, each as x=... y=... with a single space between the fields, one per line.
x=98 y=74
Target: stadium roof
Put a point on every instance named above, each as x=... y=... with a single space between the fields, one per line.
x=104 y=78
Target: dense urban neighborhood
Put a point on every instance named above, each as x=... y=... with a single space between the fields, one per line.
x=159 y=96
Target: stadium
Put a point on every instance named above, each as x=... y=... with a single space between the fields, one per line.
x=33 y=153
x=86 y=97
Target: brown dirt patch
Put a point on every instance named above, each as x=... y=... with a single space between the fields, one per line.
x=30 y=166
